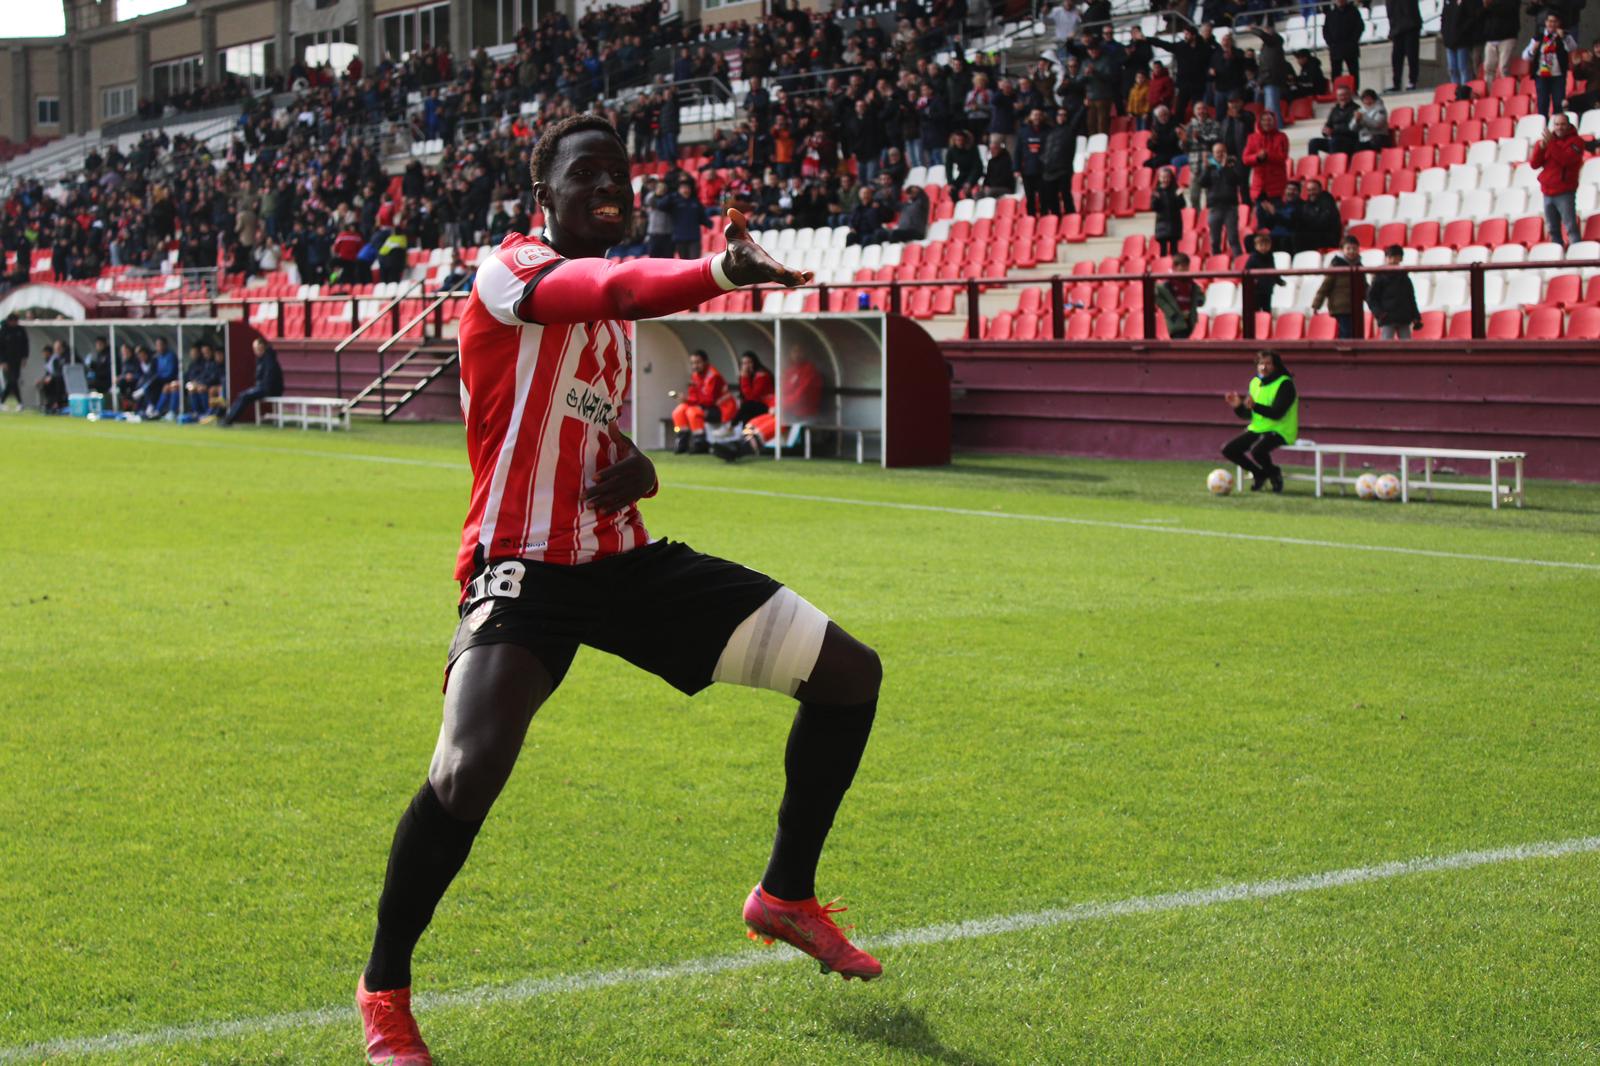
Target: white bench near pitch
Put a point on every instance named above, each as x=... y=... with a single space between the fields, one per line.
x=861 y=435
x=1405 y=454
x=306 y=411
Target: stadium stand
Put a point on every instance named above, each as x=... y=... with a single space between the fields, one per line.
x=422 y=159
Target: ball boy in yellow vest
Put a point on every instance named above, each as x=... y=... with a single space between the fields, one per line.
x=1273 y=408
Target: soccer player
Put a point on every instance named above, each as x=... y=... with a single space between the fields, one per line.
x=554 y=554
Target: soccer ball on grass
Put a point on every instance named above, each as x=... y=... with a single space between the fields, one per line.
x=1367 y=486
x=1220 y=482
x=1387 y=487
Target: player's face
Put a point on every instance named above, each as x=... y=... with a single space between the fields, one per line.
x=588 y=196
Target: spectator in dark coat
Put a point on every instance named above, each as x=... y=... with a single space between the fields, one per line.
x=1060 y=148
x=1502 y=30
x=1461 y=32
x=1393 y=300
x=933 y=128
x=963 y=165
x=1405 y=40
x=912 y=225
x=1272 y=71
x=1179 y=299
x=269 y=382
x=53 y=382
x=866 y=220
x=1260 y=258
x=1337 y=290
x=1000 y=177
x=1309 y=79
x=1227 y=72
x=1237 y=126
x=13 y=353
x=688 y=216
x=1316 y=222
x=1191 y=60
x=1339 y=130
x=1030 y=160
x=1341 y=31
x=1227 y=185
x=1166 y=200
x=1166 y=140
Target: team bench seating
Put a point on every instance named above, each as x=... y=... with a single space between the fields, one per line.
x=306 y=411
x=1405 y=454
x=861 y=434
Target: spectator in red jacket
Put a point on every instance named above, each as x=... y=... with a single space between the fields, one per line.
x=706 y=399
x=1266 y=153
x=1558 y=157
x=347 y=254
x=756 y=391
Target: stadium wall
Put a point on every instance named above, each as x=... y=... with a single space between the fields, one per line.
x=1165 y=402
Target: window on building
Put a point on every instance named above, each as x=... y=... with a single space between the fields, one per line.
x=499 y=21
x=252 y=62
x=117 y=102
x=176 y=76
x=49 y=110
x=332 y=47
x=404 y=32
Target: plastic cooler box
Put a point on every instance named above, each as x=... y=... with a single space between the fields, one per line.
x=82 y=404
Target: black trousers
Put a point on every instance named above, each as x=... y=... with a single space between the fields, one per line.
x=1406 y=48
x=12 y=372
x=1349 y=59
x=1253 y=451
x=1032 y=194
x=748 y=410
x=243 y=400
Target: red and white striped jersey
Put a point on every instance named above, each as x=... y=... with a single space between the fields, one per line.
x=538 y=401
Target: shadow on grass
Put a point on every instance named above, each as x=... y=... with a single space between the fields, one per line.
x=903 y=1029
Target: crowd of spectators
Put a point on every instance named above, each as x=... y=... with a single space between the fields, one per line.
x=833 y=120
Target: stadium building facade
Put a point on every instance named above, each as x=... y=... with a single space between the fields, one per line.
x=102 y=69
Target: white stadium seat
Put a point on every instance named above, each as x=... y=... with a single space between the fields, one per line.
x=1432 y=180
x=1509 y=253
x=1472 y=253
x=1511 y=203
x=1494 y=176
x=1463 y=176
x=1445 y=206
x=1511 y=150
x=1438 y=255
x=1410 y=205
x=1449 y=292
x=1477 y=205
x=1481 y=152
x=1530 y=127
x=1380 y=209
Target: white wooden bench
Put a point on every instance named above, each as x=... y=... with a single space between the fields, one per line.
x=861 y=434
x=1405 y=454
x=306 y=411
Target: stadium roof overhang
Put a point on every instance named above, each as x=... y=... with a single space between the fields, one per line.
x=58 y=299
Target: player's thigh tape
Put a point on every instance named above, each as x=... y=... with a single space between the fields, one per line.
x=776 y=647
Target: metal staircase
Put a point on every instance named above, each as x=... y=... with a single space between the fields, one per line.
x=399 y=384
x=427 y=358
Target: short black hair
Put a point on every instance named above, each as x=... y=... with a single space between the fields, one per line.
x=545 y=151
x=1395 y=250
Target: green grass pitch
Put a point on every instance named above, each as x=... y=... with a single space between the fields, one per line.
x=220 y=658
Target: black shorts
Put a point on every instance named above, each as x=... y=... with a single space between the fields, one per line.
x=664 y=607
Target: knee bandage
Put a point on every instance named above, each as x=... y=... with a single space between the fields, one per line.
x=776 y=647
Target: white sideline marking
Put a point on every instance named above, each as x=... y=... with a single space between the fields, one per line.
x=1141 y=527
x=522 y=991
x=1093 y=523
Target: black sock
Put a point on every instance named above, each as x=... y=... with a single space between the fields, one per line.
x=429 y=847
x=825 y=746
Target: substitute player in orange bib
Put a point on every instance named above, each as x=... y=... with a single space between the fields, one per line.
x=554 y=554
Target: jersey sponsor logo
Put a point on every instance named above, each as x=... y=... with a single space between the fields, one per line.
x=590 y=402
x=528 y=257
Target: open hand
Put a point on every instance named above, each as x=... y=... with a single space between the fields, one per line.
x=748 y=263
x=621 y=483
x=1232 y=399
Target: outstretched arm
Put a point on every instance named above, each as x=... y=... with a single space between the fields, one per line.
x=584 y=290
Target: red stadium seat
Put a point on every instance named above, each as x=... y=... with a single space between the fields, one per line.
x=1593 y=296
x=1564 y=290
x=1335 y=165
x=1031 y=301
x=1591 y=227
x=1000 y=327
x=1071 y=231
x=1225 y=328
x=1322 y=328
x=1503 y=88
x=1364 y=161
x=1290 y=326
x=1202 y=328
x=1544 y=323
x=1411 y=137
x=1457 y=233
x=1133 y=244
x=1353 y=209
x=1050 y=225
x=1517 y=107
x=1391 y=233
x=1402 y=181
x=1083 y=267
x=1444 y=94
x=1432 y=327
x=1363 y=233
x=1455 y=110
x=1108 y=326
x=1452 y=153
x=1585 y=323
x=1402 y=118
x=1373 y=183
x=1504 y=325
x=1528 y=231
x=1309 y=166
x=1492 y=232
x=1498 y=129
x=1343 y=185
x=1094 y=225
x=1460 y=326
x=1425 y=235
x=1486 y=108
x=1027 y=328
x=1080 y=325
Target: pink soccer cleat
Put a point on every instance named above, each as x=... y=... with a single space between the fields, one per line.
x=392 y=1035
x=809 y=926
